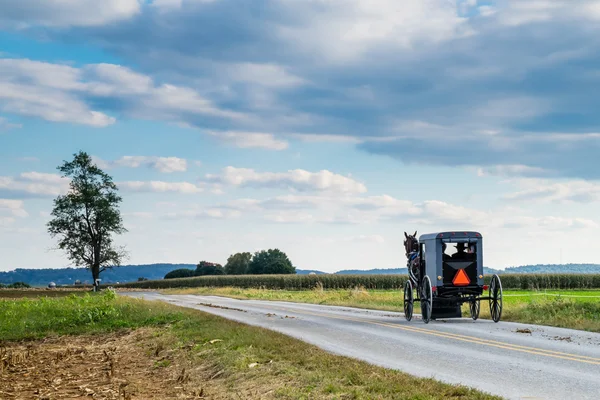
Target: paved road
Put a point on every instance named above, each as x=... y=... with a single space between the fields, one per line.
x=549 y=363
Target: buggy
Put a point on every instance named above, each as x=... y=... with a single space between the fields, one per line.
x=441 y=282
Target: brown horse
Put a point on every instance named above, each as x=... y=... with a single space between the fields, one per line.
x=411 y=246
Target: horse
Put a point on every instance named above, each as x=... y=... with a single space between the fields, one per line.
x=411 y=246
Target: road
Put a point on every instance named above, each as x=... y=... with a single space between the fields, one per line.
x=548 y=363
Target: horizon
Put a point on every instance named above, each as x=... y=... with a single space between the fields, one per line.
x=303 y=269
x=324 y=130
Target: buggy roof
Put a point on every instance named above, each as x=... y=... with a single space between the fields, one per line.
x=449 y=235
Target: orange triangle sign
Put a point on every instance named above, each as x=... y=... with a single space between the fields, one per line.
x=461 y=278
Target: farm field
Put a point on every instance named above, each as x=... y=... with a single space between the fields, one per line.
x=382 y=282
x=575 y=309
x=105 y=346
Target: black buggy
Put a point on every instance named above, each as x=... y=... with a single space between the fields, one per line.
x=445 y=270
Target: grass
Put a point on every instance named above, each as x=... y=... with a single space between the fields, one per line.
x=20 y=293
x=238 y=357
x=577 y=309
x=29 y=318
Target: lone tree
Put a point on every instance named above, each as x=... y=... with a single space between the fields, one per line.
x=87 y=216
x=237 y=264
x=272 y=261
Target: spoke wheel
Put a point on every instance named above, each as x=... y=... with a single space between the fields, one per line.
x=474 y=306
x=408 y=300
x=496 y=298
x=426 y=299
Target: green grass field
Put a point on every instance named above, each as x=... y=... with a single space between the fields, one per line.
x=578 y=309
x=226 y=356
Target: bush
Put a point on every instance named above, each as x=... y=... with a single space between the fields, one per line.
x=19 y=285
x=180 y=273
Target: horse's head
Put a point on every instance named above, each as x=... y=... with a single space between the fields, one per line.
x=411 y=243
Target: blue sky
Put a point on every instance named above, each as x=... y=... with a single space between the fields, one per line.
x=323 y=128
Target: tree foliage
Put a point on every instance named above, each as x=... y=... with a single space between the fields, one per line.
x=87 y=216
x=208 y=268
x=237 y=264
x=272 y=261
x=180 y=273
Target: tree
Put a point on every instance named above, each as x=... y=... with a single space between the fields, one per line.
x=208 y=268
x=87 y=216
x=237 y=264
x=180 y=273
x=272 y=261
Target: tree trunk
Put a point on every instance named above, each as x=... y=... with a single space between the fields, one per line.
x=96 y=265
x=95 y=274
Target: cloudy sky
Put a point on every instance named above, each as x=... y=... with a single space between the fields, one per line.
x=325 y=128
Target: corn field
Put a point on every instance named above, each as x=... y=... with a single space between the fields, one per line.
x=389 y=282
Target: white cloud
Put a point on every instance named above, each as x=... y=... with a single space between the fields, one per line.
x=343 y=30
x=208 y=213
x=15 y=207
x=535 y=11
x=298 y=179
x=34 y=184
x=436 y=211
x=353 y=239
x=62 y=13
x=160 y=187
x=385 y=204
x=250 y=139
x=268 y=75
x=535 y=190
x=323 y=138
x=548 y=223
x=162 y=164
x=60 y=93
x=169 y=5
x=513 y=170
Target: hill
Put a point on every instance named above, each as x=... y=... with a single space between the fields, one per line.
x=554 y=269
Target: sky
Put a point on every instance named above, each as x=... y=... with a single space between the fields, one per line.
x=324 y=128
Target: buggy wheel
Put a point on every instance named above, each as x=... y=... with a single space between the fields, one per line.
x=408 y=300
x=496 y=298
x=474 y=306
x=426 y=299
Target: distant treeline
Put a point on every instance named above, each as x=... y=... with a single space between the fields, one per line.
x=131 y=273
x=523 y=269
x=395 y=281
x=68 y=276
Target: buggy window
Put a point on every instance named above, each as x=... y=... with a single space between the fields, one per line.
x=452 y=250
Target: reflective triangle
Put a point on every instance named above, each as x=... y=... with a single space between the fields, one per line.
x=461 y=278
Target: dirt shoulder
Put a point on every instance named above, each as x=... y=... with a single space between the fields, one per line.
x=133 y=364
